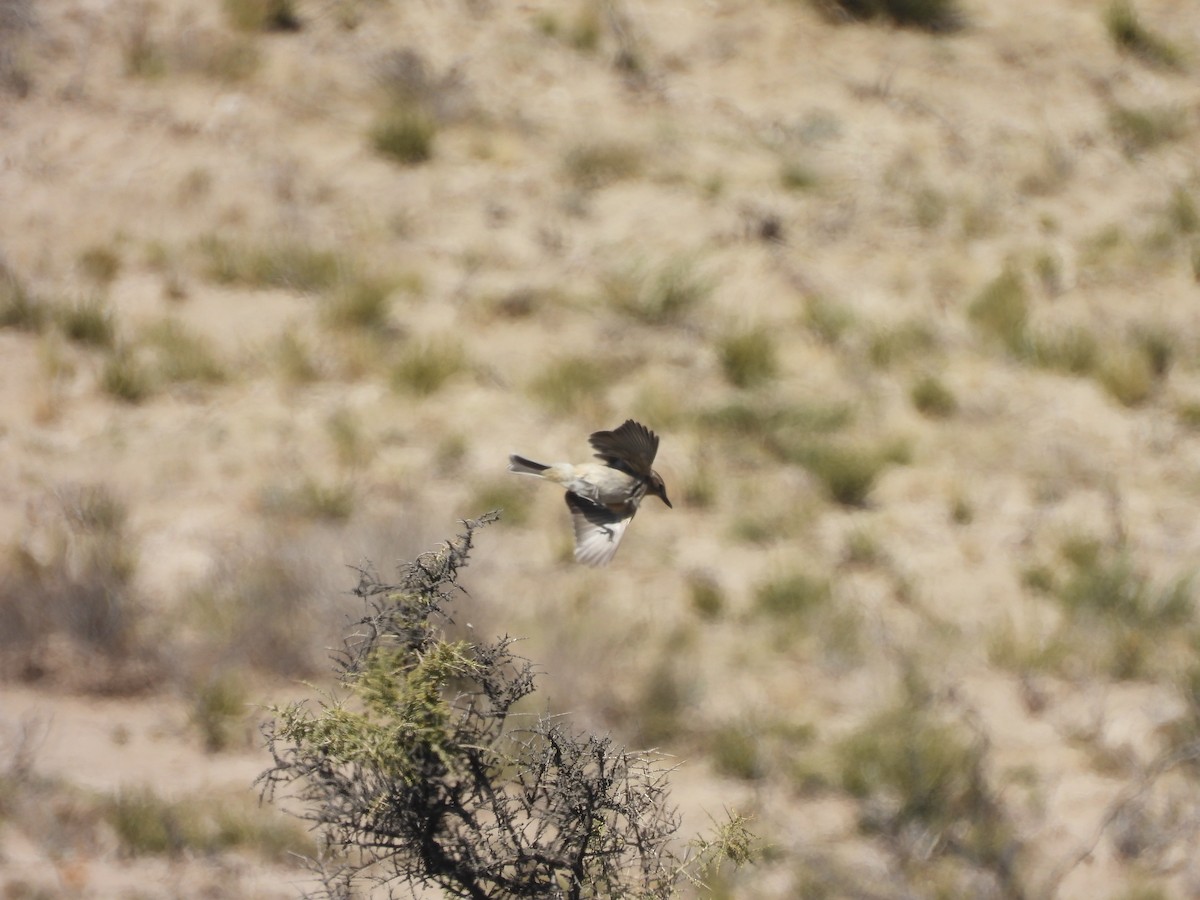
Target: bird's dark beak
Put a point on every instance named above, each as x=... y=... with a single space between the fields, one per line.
x=663 y=495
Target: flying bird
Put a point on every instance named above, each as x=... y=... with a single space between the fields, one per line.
x=603 y=497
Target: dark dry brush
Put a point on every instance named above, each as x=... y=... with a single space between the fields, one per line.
x=423 y=773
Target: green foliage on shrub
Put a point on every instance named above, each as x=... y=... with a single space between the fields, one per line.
x=424 y=772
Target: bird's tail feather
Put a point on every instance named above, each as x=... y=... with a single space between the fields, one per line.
x=525 y=466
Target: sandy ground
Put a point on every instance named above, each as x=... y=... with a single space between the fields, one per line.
x=920 y=167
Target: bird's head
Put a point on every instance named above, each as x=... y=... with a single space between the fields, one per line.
x=657 y=488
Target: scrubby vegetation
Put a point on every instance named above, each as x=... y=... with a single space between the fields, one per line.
x=427 y=773
x=910 y=300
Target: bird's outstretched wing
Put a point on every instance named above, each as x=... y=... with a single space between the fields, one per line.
x=631 y=447
x=598 y=530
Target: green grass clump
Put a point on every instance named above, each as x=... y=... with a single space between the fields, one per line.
x=932 y=398
x=289 y=264
x=1131 y=36
x=126 y=378
x=1001 y=308
x=19 y=308
x=749 y=358
x=88 y=322
x=793 y=595
x=901 y=343
x=570 y=385
x=262 y=15
x=1073 y=350
x=424 y=367
x=1127 y=374
x=1141 y=130
x=828 y=319
x=796 y=176
x=706 y=597
x=182 y=355
x=310 y=498
x=1109 y=586
x=662 y=295
x=505 y=495
x=920 y=771
x=405 y=134
x=295 y=359
x=736 y=752
x=362 y=303
x=147 y=824
x=926 y=15
x=100 y=264
x=598 y=163
x=848 y=470
x=219 y=710
x=1116 y=624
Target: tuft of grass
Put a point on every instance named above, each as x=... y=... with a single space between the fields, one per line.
x=847 y=470
x=573 y=384
x=932 y=398
x=796 y=176
x=736 y=751
x=183 y=356
x=310 y=499
x=144 y=56
x=82 y=589
x=926 y=15
x=929 y=208
x=862 y=549
x=1181 y=216
x=599 y=163
x=663 y=295
x=662 y=704
x=1001 y=308
x=706 y=597
x=504 y=494
x=424 y=367
x=920 y=771
x=405 y=134
x=126 y=378
x=147 y=824
x=1073 y=349
x=219 y=712
x=88 y=322
x=262 y=15
x=828 y=319
x=793 y=595
x=1142 y=130
x=1127 y=374
x=1131 y=36
x=749 y=358
x=700 y=488
x=295 y=359
x=19 y=308
x=100 y=264
x=224 y=57
x=289 y=264
x=359 y=303
x=1188 y=414
x=263 y=608
x=1109 y=586
x=903 y=342
x=352 y=447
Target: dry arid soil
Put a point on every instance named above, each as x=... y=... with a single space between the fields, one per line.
x=914 y=310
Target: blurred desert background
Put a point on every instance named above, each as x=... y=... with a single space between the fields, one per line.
x=909 y=291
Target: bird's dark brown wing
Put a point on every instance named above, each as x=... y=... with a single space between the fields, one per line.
x=631 y=447
x=598 y=530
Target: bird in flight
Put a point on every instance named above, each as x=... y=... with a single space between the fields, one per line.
x=603 y=497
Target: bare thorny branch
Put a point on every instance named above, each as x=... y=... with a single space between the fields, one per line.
x=422 y=777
